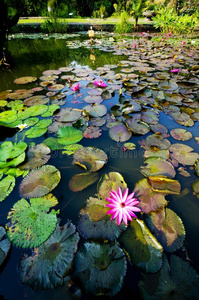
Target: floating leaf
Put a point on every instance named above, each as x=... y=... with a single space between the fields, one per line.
x=156 y=140
x=195 y=187
x=137 y=127
x=53 y=144
x=168 y=228
x=130 y=146
x=69 y=135
x=43 y=123
x=177 y=280
x=36 y=156
x=181 y=134
x=109 y=182
x=92 y=159
x=25 y=80
x=100 y=268
x=40 y=182
x=97 y=110
x=6 y=186
x=183 y=154
x=142 y=247
x=157 y=166
x=4 y=245
x=35 y=132
x=71 y=149
x=165 y=185
x=32 y=223
x=35 y=100
x=10 y=150
x=149 y=199
x=51 y=109
x=51 y=261
x=79 y=182
x=68 y=115
x=120 y=133
x=92 y=132
x=197 y=167
x=157 y=152
x=7 y=117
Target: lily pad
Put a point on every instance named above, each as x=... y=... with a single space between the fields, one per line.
x=157 y=166
x=142 y=247
x=53 y=144
x=69 y=135
x=51 y=261
x=92 y=132
x=40 y=182
x=165 y=185
x=197 y=167
x=7 y=184
x=109 y=182
x=97 y=110
x=168 y=228
x=36 y=156
x=71 y=149
x=90 y=158
x=10 y=150
x=79 y=182
x=177 y=280
x=25 y=80
x=195 y=187
x=100 y=268
x=156 y=140
x=137 y=127
x=7 y=116
x=51 y=109
x=4 y=245
x=31 y=224
x=183 y=154
x=35 y=132
x=68 y=115
x=35 y=100
x=120 y=133
x=181 y=134
x=149 y=199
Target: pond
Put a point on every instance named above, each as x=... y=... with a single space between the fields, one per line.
x=81 y=118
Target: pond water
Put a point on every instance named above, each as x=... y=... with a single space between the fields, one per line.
x=140 y=93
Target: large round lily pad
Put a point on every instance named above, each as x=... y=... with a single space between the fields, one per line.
x=68 y=115
x=32 y=223
x=181 y=134
x=183 y=154
x=7 y=116
x=168 y=228
x=4 y=244
x=177 y=280
x=157 y=166
x=51 y=261
x=69 y=135
x=149 y=199
x=120 y=133
x=90 y=158
x=141 y=246
x=40 y=182
x=100 y=268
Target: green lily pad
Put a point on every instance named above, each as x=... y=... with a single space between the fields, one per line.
x=36 y=156
x=100 y=268
x=43 y=123
x=71 y=149
x=175 y=281
x=10 y=150
x=157 y=166
x=37 y=110
x=149 y=199
x=31 y=121
x=197 y=167
x=79 y=182
x=35 y=132
x=183 y=154
x=94 y=222
x=195 y=187
x=51 y=261
x=4 y=245
x=109 y=182
x=142 y=247
x=120 y=133
x=53 y=144
x=7 y=184
x=181 y=134
x=69 y=135
x=168 y=228
x=3 y=103
x=51 y=109
x=31 y=224
x=90 y=158
x=130 y=146
x=40 y=182
x=7 y=116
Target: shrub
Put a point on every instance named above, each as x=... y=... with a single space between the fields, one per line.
x=124 y=25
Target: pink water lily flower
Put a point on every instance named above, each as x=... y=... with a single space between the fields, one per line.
x=75 y=87
x=122 y=206
x=100 y=83
x=174 y=70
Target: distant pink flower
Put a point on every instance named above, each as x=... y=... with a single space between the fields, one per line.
x=183 y=42
x=174 y=70
x=122 y=206
x=163 y=40
x=75 y=87
x=134 y=45
x=100 y=83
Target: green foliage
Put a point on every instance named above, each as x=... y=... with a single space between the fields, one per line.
x=137 y=9
x=168 y=19
x=54 y=25
x=124 y=25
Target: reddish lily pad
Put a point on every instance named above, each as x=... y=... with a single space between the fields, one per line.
x=90 y=158
x=92 y=132
x=181 y=134
x=157 y=166
x=168 y=228
x=40 y=182
x=149 y=199
x=120 y=133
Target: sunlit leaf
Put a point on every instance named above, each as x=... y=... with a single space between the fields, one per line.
x=69 y=135
x=165 y=185
x=183 y=154
x=7 y=184
x=181 y=134
x=156 y=166
x=79 y=182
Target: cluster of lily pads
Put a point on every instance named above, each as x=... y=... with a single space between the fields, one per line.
x=135 y=93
